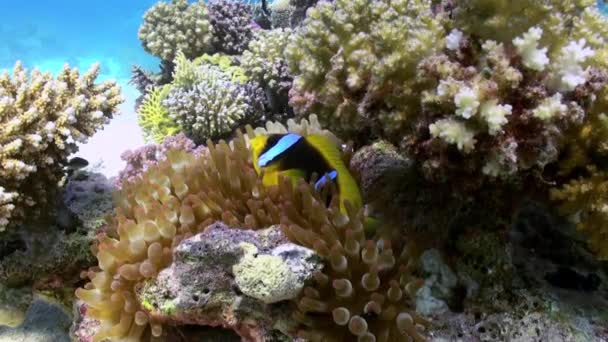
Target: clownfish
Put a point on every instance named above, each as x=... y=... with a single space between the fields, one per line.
x=297 y=156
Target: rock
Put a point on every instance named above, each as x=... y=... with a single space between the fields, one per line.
x=381 y=170
x=14 y=303
x=439 y=282
x=88 y=196
x=232 y=278
x=44 y=322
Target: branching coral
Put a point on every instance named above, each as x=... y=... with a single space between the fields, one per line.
x=154 y=118
x=288 y=13
x=500 y=109
x=503 y=20
x=585 y=200
x=354 y=63
x=183 y=194
x=41 y=120
x=231 y=21
x=177 y=26
x=263 y=61
x=211 y=108
x=189 y=72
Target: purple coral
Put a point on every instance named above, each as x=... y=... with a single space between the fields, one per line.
x=140 y=159
x=231 y=21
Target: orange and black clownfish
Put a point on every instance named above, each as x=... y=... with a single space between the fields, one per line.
x=297 y=156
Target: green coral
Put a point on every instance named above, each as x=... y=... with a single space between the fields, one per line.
x=190 y=72
x=227 y=64
x=503 y=20
x=154 y=118
x=177 y=26
x=354 y=62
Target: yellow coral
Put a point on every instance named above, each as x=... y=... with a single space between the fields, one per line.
x=154 y=118
x=586 y=201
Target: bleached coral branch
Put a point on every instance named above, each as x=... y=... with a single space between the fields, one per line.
x=454 y=132
x=550 y=108
x=568 y=67
x=527 y=47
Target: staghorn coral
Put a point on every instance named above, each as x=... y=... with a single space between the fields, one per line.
x=153 y=117
x=584 y=200
x=263 y=61
x=354 y=64
x=176 y=26
x=180 y=196
x=231 y=21
x=41 y=120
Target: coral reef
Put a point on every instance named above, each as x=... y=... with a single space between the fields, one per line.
x=213 y=107
x=177 y=26
x=288 y=13
x=217 y=268
x=180 y=196
x=264 y=63
x=41 y=120
x=490 y=116
x=231 y=21
x=361 y=80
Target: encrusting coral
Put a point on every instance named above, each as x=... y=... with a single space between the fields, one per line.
x=354 y=63
x=41 y=120
x=177 y=26
x=180 y=196
x=231 y=21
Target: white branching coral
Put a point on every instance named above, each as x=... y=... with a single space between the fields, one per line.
x=527 y=47
x=41 y=119
x=568 y=68
x=467 y=102
x=495 y=115
x=454 y=132
x=452 y=41
x=550 y=108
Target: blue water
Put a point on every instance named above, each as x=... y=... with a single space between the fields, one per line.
x=603 y=6
x=46 y=34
